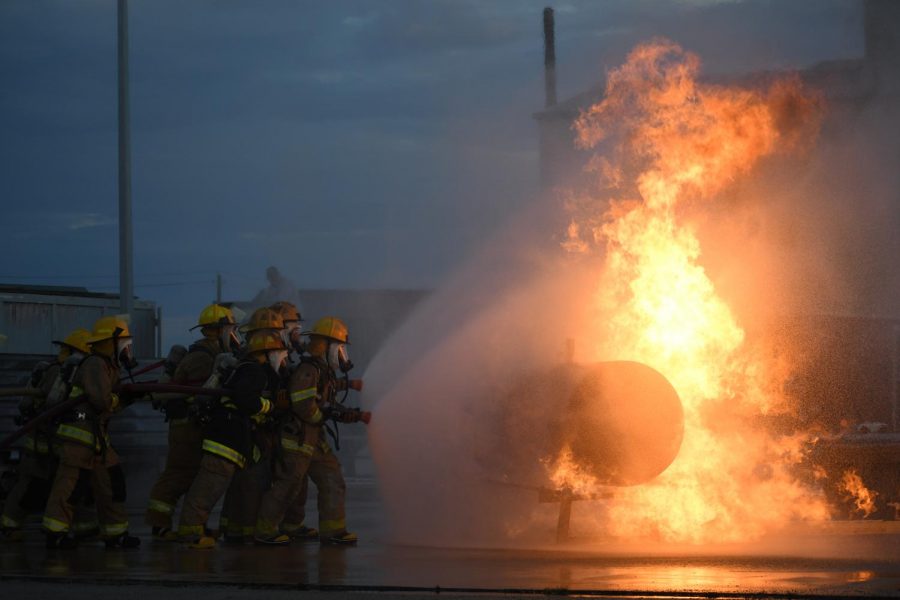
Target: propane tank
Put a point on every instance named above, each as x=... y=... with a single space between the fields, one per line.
x=626 y=422
x=622 y=421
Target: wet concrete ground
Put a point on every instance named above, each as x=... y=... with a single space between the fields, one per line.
x=850 y=558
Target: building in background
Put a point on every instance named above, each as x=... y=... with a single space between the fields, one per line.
x=31 y=317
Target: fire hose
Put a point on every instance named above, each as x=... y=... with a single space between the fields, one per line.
x=148 y=368
x=29 y=391
x=140 y=389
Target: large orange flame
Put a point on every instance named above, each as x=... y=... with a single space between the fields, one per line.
x=666 y=143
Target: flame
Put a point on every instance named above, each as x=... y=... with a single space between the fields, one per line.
x=667 y=144
x=856 y=491
x=566 y=474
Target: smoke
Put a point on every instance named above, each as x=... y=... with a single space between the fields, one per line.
x=443 y=385
x=808 y=233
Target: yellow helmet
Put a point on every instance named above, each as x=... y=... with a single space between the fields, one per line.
x=107 y=328
x=215 y=315
x=330 y=327
x=263 y=318
x=77 y=341
x=287 y=311
x=265 y=341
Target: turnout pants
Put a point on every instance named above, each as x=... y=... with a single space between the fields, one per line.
x=324 y=470
x=29 y=494
x=80 y=472
x=213 y=478
x=295 y=517
x=182 y=464
x=242 y=500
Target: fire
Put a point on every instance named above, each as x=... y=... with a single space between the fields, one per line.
x=566 y=474
x=670 y=144
x=862 y=497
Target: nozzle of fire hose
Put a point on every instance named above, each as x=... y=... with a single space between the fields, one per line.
x=356 y=384
x=342 y=414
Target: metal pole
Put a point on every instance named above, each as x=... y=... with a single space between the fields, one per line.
x=895 y=380
x=218 y=288
x=159 y=346
x=565 y=517
x=126 y=272
x=549 y=59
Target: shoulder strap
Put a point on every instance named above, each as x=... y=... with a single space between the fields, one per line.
x=199 y=347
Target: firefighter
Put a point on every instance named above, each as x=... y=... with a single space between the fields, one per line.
x=242 y=498
x=294 y=524
x=294 y=520
x=313 y=387
x=292 y=328
x=227 y=440
x=218 y=327
x=35 y=471
x=87 y=460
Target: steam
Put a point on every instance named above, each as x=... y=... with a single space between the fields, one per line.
x=705 y=184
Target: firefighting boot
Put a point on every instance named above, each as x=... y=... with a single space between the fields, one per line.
x=204 y=542
x=340 y=538
x=303 y=534
x=274 y=540
x=123 y=540
x=164 y=534
x=61 y=541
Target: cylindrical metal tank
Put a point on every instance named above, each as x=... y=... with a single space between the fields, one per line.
x=622 y=421
x=626 y=422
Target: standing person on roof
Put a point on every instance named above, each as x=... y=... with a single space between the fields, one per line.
x=280 y=288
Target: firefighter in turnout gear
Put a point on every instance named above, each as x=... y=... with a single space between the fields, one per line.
x=218 y=327
x=291 y=332
x=313 y=386
x=294 y=520
x=242 y=498
x=227 y=439
x=86 y=457
x=35 y=471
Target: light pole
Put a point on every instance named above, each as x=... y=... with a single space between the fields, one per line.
x=126 y=271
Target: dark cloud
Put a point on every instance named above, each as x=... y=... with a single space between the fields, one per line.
x=355 y=143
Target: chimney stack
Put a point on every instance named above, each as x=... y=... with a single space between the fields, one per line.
x=549 y=59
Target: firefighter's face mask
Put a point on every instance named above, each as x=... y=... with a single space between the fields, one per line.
x=291 y=335
x=229 y=339
x=338 y=358
x=277 y=359
x=125 y=353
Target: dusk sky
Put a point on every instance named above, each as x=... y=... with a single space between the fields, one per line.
x=366 y=144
